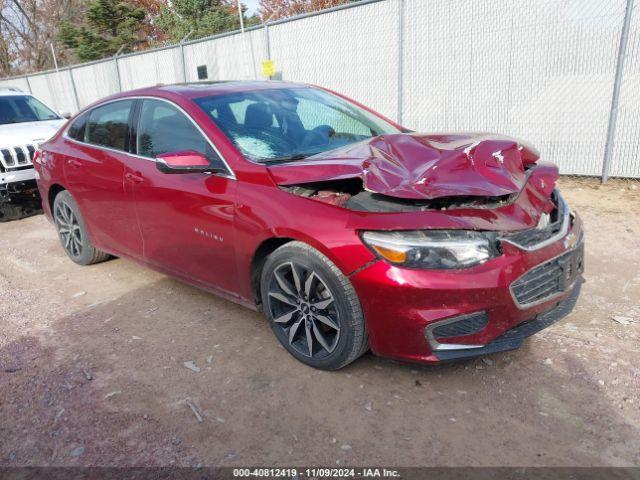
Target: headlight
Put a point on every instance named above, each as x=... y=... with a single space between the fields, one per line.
x=434 y=249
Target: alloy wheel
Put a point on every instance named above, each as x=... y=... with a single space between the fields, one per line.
x=303 y=307
x=68 y=229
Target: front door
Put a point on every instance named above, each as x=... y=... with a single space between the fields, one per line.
x=186 y=220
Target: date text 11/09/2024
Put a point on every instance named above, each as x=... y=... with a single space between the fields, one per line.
x=316 y=472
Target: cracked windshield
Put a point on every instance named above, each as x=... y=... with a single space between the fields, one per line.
x=279 y=125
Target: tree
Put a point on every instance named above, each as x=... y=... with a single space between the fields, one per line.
x=28 y=29
x=274 y=9
x=200 y=17
x=93 y=29
x=110 y=26
x=152 y=31
x=6 y=57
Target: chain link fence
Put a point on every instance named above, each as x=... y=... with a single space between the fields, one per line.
x=562 y=74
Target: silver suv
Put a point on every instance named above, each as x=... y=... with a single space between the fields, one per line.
x=25 y=122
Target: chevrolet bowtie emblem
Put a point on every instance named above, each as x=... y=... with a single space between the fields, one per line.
x=544 y=221
x=570 y=241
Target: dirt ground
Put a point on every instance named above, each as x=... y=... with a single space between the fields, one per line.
x=92 y=372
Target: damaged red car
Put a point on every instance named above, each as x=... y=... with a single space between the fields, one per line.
x=350 y=232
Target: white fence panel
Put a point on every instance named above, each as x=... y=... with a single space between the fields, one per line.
x=150 y=68
x=40 y=88
x=546 y=76
x=95 y=81
x=353 y=51
x=55 y=89
x=230 y=57
x=541 y=70
x=626 y=147
x=20 y=83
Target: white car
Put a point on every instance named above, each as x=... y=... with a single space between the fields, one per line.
x=25 y=122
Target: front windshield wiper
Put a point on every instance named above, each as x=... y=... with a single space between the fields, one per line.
x=290 y=158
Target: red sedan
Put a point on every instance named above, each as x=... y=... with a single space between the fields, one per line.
x=349 y=231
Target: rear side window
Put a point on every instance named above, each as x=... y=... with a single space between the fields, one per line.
x=108 y=125
x=77 y=128
x=163 y=129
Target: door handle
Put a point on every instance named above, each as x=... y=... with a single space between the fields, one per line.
x=74 y=163
x=134 y=177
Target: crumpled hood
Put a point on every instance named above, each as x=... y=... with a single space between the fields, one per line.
x=28 y=133
x=418 y=166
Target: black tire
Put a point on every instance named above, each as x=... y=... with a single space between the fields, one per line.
x=310 y=335
x=72 y=231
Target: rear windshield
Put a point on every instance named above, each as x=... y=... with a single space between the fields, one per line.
x=291 y=123
x=24 y=108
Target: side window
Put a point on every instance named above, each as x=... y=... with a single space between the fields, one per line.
x=108 y=125
x=41 y=111
x=163 y=128
x=77 y=128
x=313 y=114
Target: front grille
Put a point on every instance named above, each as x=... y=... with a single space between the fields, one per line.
x=539 y=236
x=549 y=279
x=14 y=158
x=466 y=325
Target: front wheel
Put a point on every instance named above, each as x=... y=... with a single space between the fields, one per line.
x=72 y=231
x=312 y=307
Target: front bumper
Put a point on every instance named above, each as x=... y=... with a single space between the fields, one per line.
x=14 y=176
x=400 y=304
x=18 y=189
x=513 y=338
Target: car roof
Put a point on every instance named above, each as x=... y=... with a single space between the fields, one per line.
x=208 y=88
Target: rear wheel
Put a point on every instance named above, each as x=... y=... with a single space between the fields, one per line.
x=72 y=231
x=312 y=307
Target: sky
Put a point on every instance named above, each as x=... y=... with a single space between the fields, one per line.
x=252 y=6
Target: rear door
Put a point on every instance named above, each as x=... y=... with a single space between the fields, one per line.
x=94 y=172
x=186 y=220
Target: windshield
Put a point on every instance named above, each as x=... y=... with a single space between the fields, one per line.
x=291 y=123
x=24 y=108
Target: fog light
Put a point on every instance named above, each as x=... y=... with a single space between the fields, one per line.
x=459 y=326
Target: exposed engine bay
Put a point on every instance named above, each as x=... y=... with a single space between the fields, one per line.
x=412 y=172
x=350 y=194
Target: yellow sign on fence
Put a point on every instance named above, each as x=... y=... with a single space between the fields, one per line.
x=268 y=68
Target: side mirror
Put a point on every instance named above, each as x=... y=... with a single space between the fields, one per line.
x=66 y=115
x=184 y=161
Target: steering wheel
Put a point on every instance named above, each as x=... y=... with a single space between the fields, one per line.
x=346 y=136
x=320 y=135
